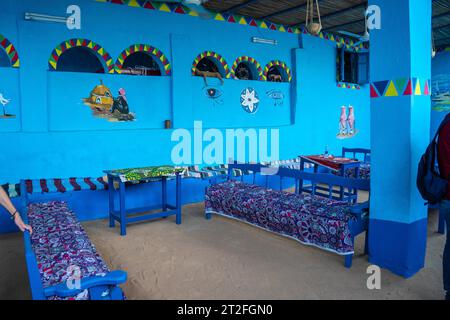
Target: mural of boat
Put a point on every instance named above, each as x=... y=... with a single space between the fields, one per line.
x=440 y=97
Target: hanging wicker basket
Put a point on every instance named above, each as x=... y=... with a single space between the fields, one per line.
x=313 y=27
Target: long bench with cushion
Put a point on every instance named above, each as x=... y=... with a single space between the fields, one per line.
x=313 y=220
x=59 y=252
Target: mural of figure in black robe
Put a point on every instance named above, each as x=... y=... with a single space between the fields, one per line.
x=120 y=103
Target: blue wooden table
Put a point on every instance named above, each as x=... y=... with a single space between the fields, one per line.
x=340 y=165
x=122 y=214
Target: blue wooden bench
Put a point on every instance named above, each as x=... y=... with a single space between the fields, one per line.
x=62 y=263
x=293 y=214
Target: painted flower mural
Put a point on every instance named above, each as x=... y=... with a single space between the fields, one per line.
x=250 y=100
x=440 y=97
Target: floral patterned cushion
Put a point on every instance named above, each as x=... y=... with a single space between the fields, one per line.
x=309 y=219
x=60 y=242
x=364 y=172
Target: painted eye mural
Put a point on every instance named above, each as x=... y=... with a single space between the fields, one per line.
x=277 y=97
x=104 y=105
x=214 y=94
x=250 y=100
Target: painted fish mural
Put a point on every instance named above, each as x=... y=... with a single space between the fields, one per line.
x=104 y=105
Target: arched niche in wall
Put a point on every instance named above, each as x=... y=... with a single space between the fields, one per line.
x=210 y=61
x=277 y=71
x=80 y=55
x=246 y=68
x=142 y=59
x=8 y=54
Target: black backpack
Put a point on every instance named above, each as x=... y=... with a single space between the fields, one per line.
x=431 y=185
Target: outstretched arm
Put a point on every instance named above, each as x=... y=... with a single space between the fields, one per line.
x=7 y=204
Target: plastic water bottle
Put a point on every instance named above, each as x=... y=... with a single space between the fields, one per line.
x=326 y=155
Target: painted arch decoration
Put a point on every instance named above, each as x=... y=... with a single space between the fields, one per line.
x=214 y=56
x=159 y=56
x=101 y=53
x=10 y=51
x=251 y=61
x=280 y=64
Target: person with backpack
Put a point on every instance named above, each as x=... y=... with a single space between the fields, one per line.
x=443 y=150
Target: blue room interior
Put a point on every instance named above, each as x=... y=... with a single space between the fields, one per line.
x=56 y=79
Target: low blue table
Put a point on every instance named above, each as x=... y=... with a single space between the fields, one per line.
x=121 y=214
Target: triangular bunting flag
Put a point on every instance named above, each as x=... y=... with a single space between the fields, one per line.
x=133 y=3
x=408 y=91
x=373 y=92
x=391 y=90
x=381 y=86
x=426 y=89
x=219 y=17
x=400 y=84
x=418 y=90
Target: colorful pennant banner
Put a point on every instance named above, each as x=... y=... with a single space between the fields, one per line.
x=177 y=8
x=346 y=85
x=400 y=87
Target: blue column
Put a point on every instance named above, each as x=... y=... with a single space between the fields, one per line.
x=400 y=124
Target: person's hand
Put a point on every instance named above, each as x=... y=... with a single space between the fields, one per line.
x=21 y=225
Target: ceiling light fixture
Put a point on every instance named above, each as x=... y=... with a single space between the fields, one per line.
x=46 y=18
x=264 y=41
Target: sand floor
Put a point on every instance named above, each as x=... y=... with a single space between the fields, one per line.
x=227 y=259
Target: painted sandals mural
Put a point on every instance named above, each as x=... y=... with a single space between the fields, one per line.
x=104 y=105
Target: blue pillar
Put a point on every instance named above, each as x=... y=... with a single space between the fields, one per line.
x=400 y=124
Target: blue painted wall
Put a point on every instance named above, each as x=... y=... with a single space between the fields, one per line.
x=55 y=135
